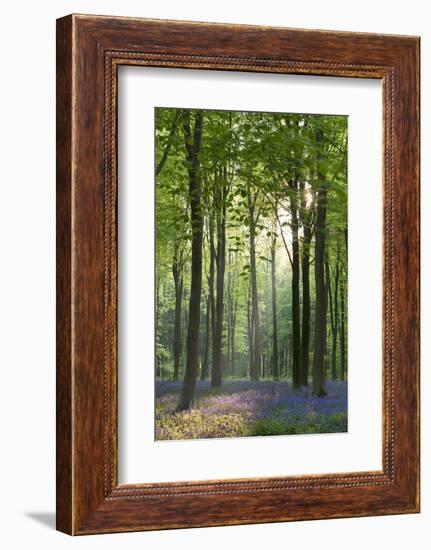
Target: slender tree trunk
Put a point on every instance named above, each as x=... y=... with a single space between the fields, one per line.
x=305 y=304
x=216 y=373
x=330 y=303
x=319 y=375
x=193 y=146
x=234 y=313
x=186 y=297
x=287 y=360
x=342 y=331
x=229 y=316
x=296 y=330
x=250 y=333
x=205 y=362
x=266 y=354
x=211 y=277
x=157 y=323
x=331 y=311
x=275 y=371
x=255 y=328
x=334 y=320
x=178 y=283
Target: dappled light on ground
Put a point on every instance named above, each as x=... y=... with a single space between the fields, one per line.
x=242 y=408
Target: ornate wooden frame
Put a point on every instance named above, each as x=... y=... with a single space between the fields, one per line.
x=89 y=51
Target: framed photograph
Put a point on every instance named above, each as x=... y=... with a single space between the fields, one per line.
x=237 y=274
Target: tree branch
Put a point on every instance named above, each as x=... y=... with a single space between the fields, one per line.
x=168 y=143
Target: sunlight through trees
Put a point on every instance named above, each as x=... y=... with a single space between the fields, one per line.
x=251 y=249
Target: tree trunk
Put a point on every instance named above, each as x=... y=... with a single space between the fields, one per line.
x=268 y=298
x=275 y=372
x=229 y=316
x=334 y=321
x=193 y=146
x=319 y=375
x=205 y=362
x=216 y=373
x=305 y=304
x=255 y=329
x=331 y=313
x=288 y=354
x=232 y=342
x=296 y=330
x=342 y=331
x=178 y=282
x=250 y=333
x=186 y=297
x=211 y=277
x=157 y=324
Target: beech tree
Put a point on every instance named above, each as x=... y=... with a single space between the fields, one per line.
x=192 y=128
x=251 y=248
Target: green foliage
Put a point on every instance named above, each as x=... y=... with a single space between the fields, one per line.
x=253 y=168
x=270 y=426
x=334 y=423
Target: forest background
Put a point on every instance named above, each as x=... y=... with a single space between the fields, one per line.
x=251 y=268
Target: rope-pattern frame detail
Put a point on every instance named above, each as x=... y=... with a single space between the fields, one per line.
x=112 y=60
x=389 y=260
x=106 y=275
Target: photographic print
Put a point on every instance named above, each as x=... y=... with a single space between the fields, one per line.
x=204 y=254
x=250 y=273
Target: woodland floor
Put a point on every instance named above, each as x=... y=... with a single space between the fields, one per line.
x=241 y=408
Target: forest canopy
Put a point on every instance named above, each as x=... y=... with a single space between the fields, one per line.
x=251 y=249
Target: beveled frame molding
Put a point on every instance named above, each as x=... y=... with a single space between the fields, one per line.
x=89 y=51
